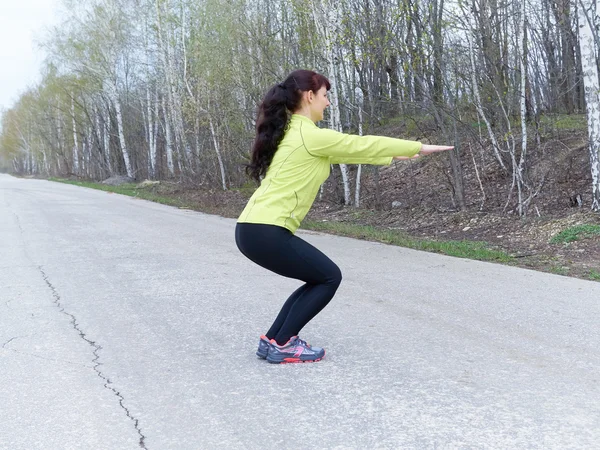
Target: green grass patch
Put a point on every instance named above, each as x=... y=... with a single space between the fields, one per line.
x=129 y=189
x=594 y=275
x=576 y=233
x=462 y=249
x=559 y=270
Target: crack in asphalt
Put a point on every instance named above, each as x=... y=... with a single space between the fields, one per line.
x=95 y=361
x=93 y=344
x=18 y=221
x=9 y=341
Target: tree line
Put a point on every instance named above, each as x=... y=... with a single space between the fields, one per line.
x=168 y=89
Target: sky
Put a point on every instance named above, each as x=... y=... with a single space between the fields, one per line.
x=21 y=23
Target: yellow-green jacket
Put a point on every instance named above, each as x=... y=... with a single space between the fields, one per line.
x=302 y=163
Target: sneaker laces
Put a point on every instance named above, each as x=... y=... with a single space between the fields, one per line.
x=297 y=341
x=302 y=342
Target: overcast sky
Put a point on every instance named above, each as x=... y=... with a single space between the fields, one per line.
x=21 y=23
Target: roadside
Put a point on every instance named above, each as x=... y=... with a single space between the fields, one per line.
x=566 y=245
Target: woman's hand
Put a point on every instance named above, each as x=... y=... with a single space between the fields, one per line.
x=426 y=150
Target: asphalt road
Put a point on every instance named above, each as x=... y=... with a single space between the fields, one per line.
x=128 y=324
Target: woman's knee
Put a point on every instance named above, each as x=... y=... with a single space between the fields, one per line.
x=335 y=276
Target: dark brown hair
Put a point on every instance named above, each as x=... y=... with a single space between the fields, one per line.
x=274 y=114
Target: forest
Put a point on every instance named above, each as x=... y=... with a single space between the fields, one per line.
x=168 y=90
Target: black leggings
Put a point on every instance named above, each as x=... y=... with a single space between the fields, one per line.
x=278 y=250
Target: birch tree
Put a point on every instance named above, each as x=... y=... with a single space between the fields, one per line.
x=75 y=140
x=327 y=18
x=588 y=21
x=359 y=106
x=92 y=45
x=170 y=87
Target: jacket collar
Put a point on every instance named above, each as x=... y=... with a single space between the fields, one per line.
x=296 y=117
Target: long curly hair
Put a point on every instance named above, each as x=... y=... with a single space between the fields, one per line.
x=274 y=115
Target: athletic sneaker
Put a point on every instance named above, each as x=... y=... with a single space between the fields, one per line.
x=263 y=347
x=294 y=351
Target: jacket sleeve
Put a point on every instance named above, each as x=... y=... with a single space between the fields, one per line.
x=348 y=147
x=382 y=161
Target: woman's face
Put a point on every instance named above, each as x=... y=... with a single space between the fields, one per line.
x=319 y=103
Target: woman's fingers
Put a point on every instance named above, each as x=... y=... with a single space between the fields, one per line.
x=426 y=148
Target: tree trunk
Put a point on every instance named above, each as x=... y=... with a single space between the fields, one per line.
x=328 y=17
x=522 y=46
x=168 y=141
x=479 y=105
x=359 y=101
x=122 y=142
x=75 y=140
x=106 y=142
x=173 y=100
x=219 y=158
x=151 y=134
x=562 y=14
x=591 y=83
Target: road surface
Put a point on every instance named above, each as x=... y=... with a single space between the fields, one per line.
x=126 y=324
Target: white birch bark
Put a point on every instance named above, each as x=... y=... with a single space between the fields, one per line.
x=359 y=101
x=150 y=124
x=106 y=142
x=155 y=131
x=26 y=149
x=59 y=132
x=522 y=52
x=83 y=152
x=591 y=82
x=45 y=161
x=173 y=100
x=98 y=131
x=75 y=140
x=216 y=143
x=168 y=143
x=197 y=138
x=119 y=116
x=328 y=17
x=184 y=141
x=150 y=135
x=87 y=153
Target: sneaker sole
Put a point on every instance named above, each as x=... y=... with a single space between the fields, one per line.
x=296 y=360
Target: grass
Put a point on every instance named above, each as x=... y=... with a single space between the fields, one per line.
x=576 y=233
x=594 y=275
x=462 y=249
x=559 y=270
x=129 y=189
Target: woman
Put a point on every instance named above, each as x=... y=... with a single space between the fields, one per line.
x=291 y=157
